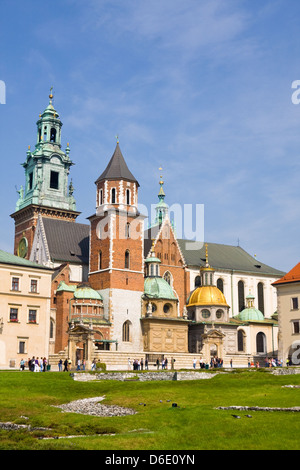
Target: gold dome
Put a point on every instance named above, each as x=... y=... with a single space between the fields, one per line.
x=207 y=295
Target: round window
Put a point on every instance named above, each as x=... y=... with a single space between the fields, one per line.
x=219 y=314
x=167 y=308
x=205 y=313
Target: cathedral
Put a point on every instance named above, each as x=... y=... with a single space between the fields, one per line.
x=123 y=289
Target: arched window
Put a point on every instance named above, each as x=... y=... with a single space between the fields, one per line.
x=168 y=277
x=127 y=230
x=100 y=260
x=220 y=285
x=53 y=135
x=197 y=281
x=100 y=197
x=241 y=340
x=260 y=296
x=128 y=196
x=51 y=329
x=126 y=331
x=261 y=343
x=127 y=259
x=241 y=295
x=113 y=195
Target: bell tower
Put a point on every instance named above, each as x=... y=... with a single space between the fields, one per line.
x=117 y=250
x=46 y=190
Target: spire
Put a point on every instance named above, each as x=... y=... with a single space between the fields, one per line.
x=161 y=194
x=117 y=168
x=47 y=166
x=161 y=208
x=206 y=256
x=206 y=272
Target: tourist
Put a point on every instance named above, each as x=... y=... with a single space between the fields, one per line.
x=146 y=363
x=231 y=363
x=60 y=362
x=78 y=364
x=129 y=363
x=44 y=364
x=83 y=364
x=66 y=365
x=22 y=364
x=157 y=363
x=166 y=363
x=194 y=363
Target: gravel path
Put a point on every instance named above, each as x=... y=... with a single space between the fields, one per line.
x=91 y=406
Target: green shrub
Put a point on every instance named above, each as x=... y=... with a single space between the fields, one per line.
x=101 y=366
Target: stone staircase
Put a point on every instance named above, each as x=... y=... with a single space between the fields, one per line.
x=116 y=360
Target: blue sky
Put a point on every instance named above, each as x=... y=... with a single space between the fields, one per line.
x=200 y=87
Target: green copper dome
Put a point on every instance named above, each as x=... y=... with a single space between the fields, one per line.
x=250 y=313
x=86 y=292
x=80 y=292
x=158 y=288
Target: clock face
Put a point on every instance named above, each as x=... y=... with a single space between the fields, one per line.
x=23 y=247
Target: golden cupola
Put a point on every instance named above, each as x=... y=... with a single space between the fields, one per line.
x=207 y=294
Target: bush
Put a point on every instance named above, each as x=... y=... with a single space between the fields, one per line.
x=101 y=366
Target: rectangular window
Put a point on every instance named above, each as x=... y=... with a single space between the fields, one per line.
x=54 y=179
x=13 y=314
x=15 y=283
x=22 y=349
x=33 y=285
x=32 y=317
x=295 y=303
x=296 y=327
x=30 y=181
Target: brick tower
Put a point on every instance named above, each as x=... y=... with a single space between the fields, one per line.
x=116 y=266
x=46 y=191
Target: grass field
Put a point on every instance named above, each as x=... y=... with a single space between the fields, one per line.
x=195 y=424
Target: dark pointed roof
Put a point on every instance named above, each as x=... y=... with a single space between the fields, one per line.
x=67 y=241
x=117 y=168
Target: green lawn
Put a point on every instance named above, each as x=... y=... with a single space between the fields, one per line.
x=195 y=424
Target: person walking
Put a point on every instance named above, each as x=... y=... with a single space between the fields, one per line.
x=60 y=363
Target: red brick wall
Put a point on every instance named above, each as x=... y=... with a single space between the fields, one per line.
x=119 y=277
x=166 y=249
